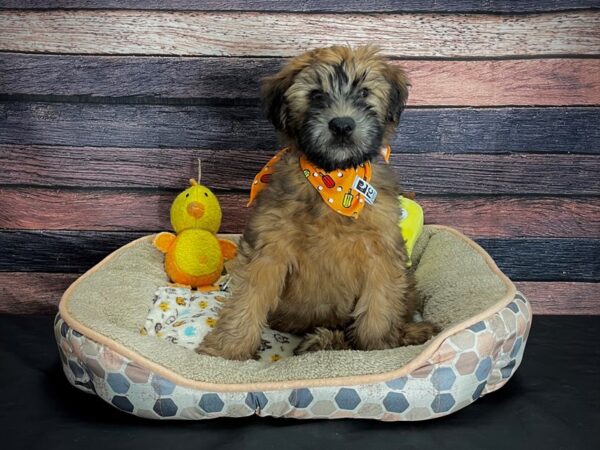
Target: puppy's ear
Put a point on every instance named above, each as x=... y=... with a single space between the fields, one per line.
x=273 y=97
x=274 y=88
x=398 y=93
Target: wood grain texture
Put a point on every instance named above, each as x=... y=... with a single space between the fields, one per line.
x=32 y=293
x=450 y=130
x=102 y=210
x=562 y=298
x=271 y=34
x=547 y=82
x=39 y=293
x=426 y=174
x=544 y=82
x=522 y=259
x=310 y=5
x=57 y=251
x=516 y=216
x=529 y=259
x=109 y=103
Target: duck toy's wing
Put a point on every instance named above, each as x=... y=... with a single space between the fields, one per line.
x=163 y=241
x=228 y=249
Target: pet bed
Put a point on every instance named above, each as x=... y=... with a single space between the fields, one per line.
x=485 y=323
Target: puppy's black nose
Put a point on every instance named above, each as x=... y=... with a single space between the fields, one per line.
x=342 y=126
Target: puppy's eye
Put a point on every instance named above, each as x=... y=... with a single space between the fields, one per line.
x=364 y=92
x=317 y=95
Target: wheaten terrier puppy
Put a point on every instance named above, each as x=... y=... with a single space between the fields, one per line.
x=322 y=256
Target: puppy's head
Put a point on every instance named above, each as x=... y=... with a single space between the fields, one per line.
x=338 y=105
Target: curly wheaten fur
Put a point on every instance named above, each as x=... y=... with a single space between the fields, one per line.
x=301 y=267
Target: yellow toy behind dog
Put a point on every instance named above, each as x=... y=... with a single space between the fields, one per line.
x=194 y=255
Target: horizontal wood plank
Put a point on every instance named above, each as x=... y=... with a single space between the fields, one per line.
x=39 y=293
x=562 y=298
x=450 y=130
x=90 y=77
x=528 y=259
x=32 y=293
x=272 y=34
x=510 y=217
x=543 y=82
x=522 y=259
x=143 y=210
x=502 y=6
x=426 y=174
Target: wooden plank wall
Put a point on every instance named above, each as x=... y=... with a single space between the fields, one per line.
x=105 y=106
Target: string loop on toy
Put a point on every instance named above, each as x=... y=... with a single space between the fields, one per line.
x=199 y=171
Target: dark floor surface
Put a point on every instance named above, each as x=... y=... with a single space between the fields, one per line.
x=553 y=401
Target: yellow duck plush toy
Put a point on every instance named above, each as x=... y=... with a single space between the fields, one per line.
x=194 y=256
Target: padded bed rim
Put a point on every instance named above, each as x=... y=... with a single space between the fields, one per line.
x=415 y=363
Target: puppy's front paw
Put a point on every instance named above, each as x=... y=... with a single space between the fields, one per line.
x=235 y=355
x=204 y=349
x=224 y=349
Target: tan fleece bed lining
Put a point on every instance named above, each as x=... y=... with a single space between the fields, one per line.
x=459 y=283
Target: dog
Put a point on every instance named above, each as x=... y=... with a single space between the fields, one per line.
x=303 y=267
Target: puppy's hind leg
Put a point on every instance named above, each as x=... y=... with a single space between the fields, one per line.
x=323 y=339
x=416 y=333
x=415 y=330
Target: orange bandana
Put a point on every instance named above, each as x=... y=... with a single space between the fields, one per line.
x=336 y=187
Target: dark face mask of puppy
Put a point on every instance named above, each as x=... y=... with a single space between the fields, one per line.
x=337 y=105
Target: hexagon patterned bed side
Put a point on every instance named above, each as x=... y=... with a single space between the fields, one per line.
x=467 y=365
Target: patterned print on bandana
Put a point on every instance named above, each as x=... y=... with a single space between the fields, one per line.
x=335 y=187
